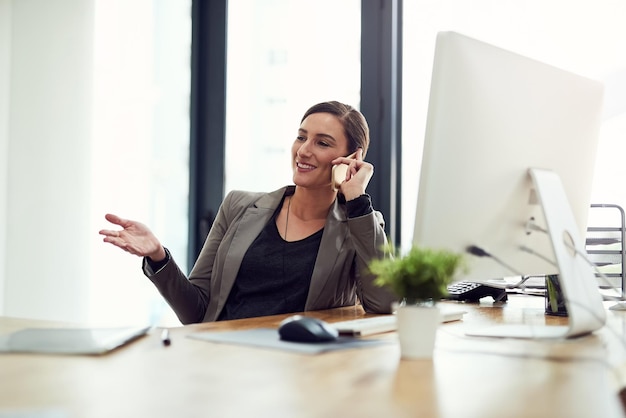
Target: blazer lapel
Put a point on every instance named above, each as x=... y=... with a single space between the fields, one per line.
x=333 y=239
x=249 y=227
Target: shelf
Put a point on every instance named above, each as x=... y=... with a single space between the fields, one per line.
x=605 y=238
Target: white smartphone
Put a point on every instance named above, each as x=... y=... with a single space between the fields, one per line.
x=338 y=174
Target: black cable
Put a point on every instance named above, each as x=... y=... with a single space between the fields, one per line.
x=481 y=252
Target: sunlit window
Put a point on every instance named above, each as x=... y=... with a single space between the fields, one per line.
x=140 y=146
x=547 y=31
x=283 y=57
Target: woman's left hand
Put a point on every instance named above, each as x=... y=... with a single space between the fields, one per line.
x=358 y=175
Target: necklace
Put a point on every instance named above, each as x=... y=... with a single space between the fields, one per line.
x=287 y=218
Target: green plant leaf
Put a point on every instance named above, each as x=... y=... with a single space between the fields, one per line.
x=421 y=274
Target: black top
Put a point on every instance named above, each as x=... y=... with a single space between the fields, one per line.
x=274 y=276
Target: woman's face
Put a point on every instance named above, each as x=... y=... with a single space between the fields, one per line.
x=320 y=140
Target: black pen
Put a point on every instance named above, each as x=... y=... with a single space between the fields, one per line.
x=165 y=337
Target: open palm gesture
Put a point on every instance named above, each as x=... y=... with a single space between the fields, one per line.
x=134 y=237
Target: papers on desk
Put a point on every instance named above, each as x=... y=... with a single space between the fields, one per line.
x=69 y=340
x=268 y=338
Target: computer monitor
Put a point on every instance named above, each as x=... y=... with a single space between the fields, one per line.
x=492 y=116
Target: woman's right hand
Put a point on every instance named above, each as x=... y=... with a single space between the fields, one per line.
x=134 y=237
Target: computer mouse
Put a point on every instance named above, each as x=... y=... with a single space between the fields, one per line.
x=306 y=329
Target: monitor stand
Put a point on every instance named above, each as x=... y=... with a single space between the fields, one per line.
x=582 y=298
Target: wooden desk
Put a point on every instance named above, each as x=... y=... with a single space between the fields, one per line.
x=468 y=377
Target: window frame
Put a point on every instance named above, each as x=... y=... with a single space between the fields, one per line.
x=381 y=103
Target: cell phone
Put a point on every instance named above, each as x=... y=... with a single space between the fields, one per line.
x=338 y=174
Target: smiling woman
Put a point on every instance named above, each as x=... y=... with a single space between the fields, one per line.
x=299 y=248
x=320 y=140
x=335 y=130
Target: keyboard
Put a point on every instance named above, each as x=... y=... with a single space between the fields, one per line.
x=474 y=291
x=363 y=327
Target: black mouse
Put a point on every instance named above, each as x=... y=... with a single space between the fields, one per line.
x=305 y=329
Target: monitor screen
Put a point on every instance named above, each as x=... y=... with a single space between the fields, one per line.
x=492 y=116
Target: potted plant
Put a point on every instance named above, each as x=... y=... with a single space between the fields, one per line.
x=419 y=278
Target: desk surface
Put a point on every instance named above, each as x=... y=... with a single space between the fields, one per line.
x=467 y=377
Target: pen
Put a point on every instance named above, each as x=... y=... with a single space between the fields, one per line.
x=165 y=337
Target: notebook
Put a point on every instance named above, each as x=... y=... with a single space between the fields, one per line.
x=362 y=327
x=70 y=340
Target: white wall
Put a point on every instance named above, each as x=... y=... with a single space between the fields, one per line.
x=94 y=120
x=45 y=67
x=5 y=41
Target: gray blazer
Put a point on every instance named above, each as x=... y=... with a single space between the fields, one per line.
x=339 y=275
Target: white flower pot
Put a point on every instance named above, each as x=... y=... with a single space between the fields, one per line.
x=417 y=330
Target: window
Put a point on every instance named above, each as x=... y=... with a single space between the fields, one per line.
x=140 y=146
x=547 y=31
x=283 y=56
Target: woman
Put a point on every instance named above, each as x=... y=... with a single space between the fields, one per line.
x=302 y=247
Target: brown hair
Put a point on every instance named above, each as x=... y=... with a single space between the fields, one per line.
x=354 y=123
